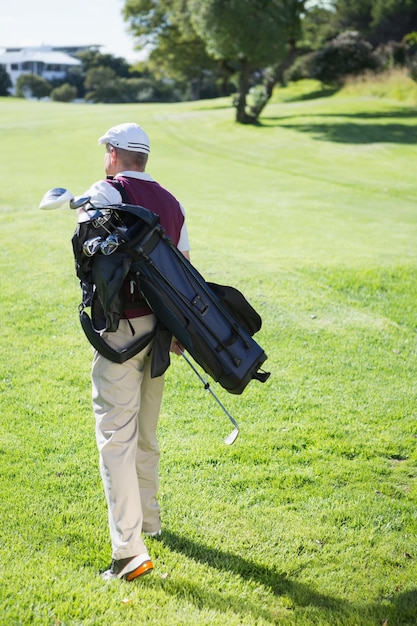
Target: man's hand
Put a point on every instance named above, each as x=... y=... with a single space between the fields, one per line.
x=176 y=347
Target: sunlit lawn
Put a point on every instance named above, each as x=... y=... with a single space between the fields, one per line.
x=309 y=518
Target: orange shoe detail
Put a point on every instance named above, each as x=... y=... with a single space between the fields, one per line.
x=145 y=568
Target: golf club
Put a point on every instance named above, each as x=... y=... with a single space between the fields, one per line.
x=80 y=202
x=55 y=198
x=58 y=196
x=91 y=246
x=112 y=242
x=233 y=435
x=98 y=219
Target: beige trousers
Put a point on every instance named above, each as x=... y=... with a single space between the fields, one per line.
x=126 y=403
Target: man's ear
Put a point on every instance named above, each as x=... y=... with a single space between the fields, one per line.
x=113 y=156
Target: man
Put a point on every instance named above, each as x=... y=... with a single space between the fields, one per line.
x=126 y=400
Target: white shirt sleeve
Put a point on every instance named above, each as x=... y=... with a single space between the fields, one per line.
x=102 y=194
x=183 y=243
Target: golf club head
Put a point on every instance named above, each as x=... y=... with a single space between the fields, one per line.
x=77 y=203
x=110 y=244
x=91 y=246
x=55 y=198
x=232 y=437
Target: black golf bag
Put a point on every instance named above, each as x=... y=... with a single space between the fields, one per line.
x=214 y=323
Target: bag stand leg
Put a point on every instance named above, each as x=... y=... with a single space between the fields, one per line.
x=233 y=435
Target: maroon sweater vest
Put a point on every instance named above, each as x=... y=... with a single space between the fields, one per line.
x=153 y=197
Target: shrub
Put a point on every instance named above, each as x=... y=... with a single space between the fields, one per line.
x=104 y=86
x=412 y=69
x=137 y=90
x=257 y=98
x=64 y=93
x=392 y=54
x=347 y=54
x=411 y=41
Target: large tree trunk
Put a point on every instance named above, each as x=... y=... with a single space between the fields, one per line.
x=227 y=72
x=242 y=116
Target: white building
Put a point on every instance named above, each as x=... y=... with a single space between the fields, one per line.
x=46 y=61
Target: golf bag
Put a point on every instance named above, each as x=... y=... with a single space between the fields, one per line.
x=214 y=323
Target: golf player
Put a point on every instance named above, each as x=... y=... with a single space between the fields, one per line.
x=126 y=400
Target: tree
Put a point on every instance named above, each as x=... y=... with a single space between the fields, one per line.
x=94 y=63
x=187 y=64
x=101 y=85
x=177 y=52
x=31 y=85
x=93 y=58
x=317 y=27
x=392 y=19
x=252 y=33
x=5 y=82
x=355 y=15
x=241 y=35
x=275 y=73
x=76 y=77
x=379 y=21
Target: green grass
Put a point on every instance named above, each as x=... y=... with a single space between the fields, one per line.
x=395 y=84
x=309 y=519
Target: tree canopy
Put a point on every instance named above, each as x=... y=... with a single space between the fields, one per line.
x=380 y=21
x=241 y=29
x=5 y=82
x=241 y=35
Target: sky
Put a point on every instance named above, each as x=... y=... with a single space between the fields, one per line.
x=67 y=23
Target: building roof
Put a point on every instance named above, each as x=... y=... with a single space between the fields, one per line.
x=40 y=55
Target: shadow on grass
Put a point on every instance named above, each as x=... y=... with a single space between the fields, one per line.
x=359 y=133
x=402 y=608
x=292 y=593
x=358 y=128
x=326 y=92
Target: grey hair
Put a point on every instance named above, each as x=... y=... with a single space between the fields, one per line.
x=130 y=159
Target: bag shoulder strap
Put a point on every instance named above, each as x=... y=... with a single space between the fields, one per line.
x=104 y=349
x=118 y=185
